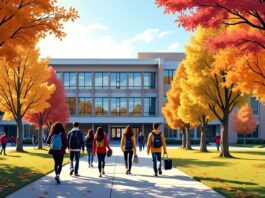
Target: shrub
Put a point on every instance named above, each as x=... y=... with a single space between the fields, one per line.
x=251 y=141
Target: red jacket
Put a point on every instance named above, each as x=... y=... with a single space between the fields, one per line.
x=3 y=139
x=217 y=139
x=64 y=146
x=100 y=149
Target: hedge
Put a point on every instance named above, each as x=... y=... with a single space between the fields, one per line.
x=251 y=141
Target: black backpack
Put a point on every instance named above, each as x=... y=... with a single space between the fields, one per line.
x=157 y=141
x=74 y=140
x=89 y=142
x=128 y=144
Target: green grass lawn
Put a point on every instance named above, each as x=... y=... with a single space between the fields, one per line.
x=20 y=169
x=242 y=176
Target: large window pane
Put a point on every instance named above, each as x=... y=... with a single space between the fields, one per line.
x=255 y=105
x=118 y=80
x=118 y=106
x=101 y=80
x=85 y=80
x=135 y=106
x=69 y=80
x=85 y=106
x=135 y=80
x=101 y=106
x=149 y=106
x=168 y=76
x=71 y=101
x=149 y=80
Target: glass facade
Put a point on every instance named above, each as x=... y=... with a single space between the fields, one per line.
x=149 y=80
x=102 y=106
x=168 y=76
x=149 y=106
x=255 y=105
x=101 y=80
x=118 y=106
x=69 y=80
x=118 y=80
x=135 y=80
x=85 y=106
x=135 y=106
x=71 y=101
x=85 y=80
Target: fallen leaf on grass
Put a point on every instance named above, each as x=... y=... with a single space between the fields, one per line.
x=11 y=184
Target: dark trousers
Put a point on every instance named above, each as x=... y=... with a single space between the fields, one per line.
x=101 y=161
x=58 y=163
x=89 y=155
x=141 y=146
x=217 y=146
x=74 y=155
x=3 y=148
x=130 y=154
x=156 y=157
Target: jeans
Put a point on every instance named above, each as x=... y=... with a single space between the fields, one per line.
x=101 y=161
x=76 y=155
x=141 y=146
x=156 y=157
x=217 y=146
x=58 y=163
x=130 y=154
x=3 y=148
x=89 y=155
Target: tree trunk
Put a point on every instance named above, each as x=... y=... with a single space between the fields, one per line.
x=203 y=145
x=188 y=144
x=40 y=134
x=183 y=137
x=224 y=137
x=19 y=146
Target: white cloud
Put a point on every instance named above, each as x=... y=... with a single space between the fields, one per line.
x=163 y=34
x=173 y=47
x=97 y=26
x=147 y=36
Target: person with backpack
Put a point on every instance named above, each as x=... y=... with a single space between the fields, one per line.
x=156 y=140
x=58 y=143
x=3 y=140
x=128 y=147
x=75 y=144
x=141 y=141
x=89 y=146
x=99 y=147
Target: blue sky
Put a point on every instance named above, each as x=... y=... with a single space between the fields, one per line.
x=116 y=29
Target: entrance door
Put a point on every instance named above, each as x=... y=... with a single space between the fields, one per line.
x=116 y=132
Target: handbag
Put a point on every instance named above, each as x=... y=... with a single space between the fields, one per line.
x=109 y=153
x=135 y=159
x=167 y=162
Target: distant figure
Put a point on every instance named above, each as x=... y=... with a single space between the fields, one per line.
x=33 y=140
x=58 y=143
x=3 y=140
x=75 y=144
x=89 y=146
x=217 y=140
x=141 y=141
x=13 y=140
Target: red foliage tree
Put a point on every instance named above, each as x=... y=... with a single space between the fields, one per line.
x=57 y=112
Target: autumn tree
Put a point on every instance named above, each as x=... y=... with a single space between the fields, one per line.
x=24 y=87
x=57 y=111
x=26 y=21
x=244 y=121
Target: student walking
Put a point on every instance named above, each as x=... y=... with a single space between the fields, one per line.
x=141 y=141
x=217 y=140
x=13 y=140
x=156 y=140
x=33 y=139
x=58 y=143
x=3 y=140
x=75 y=143
x=128 y=147
x=89 y=146
x=99 y=147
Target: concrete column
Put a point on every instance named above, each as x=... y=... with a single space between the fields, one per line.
x=109 y=132
x=160 y=87
x=142 y=91
x=76 y=93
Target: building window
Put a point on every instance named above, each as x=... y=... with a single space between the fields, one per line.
x=255 y=134
x=69 y=79
x=85 y=106
x=118 y=106
x=168 y=76
x=118 y=80
x=135 y=106
x=71 y=101
x=101 y=80
x=102 y=106
x=149 y=80
x=149 y=106
x=255 y=105
x=85 y=80
x=135 y=80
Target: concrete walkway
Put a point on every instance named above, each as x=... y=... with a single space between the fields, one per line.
x=116 y=184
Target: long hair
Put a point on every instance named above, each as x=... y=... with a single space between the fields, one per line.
x=99 y=134
x=128 y=132
x=57 y=128
x=90 y=134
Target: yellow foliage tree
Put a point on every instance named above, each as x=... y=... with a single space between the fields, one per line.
x=24 y=87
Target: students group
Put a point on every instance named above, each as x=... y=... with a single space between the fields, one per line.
x=97 y=144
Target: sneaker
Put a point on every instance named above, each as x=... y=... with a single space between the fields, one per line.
x=103 y=172
x=127 y=172
x=100 y=175
x=92 y=165
x=155 y=175
x=160 y=171
x=57 y=178
x=76 y=174
x=71 y=171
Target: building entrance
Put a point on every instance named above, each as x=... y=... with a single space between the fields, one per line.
x=117 y=131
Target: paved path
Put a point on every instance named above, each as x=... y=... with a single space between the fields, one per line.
x=116 y=183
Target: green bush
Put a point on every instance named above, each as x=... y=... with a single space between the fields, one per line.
x=251 y=141
x=170 y=141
